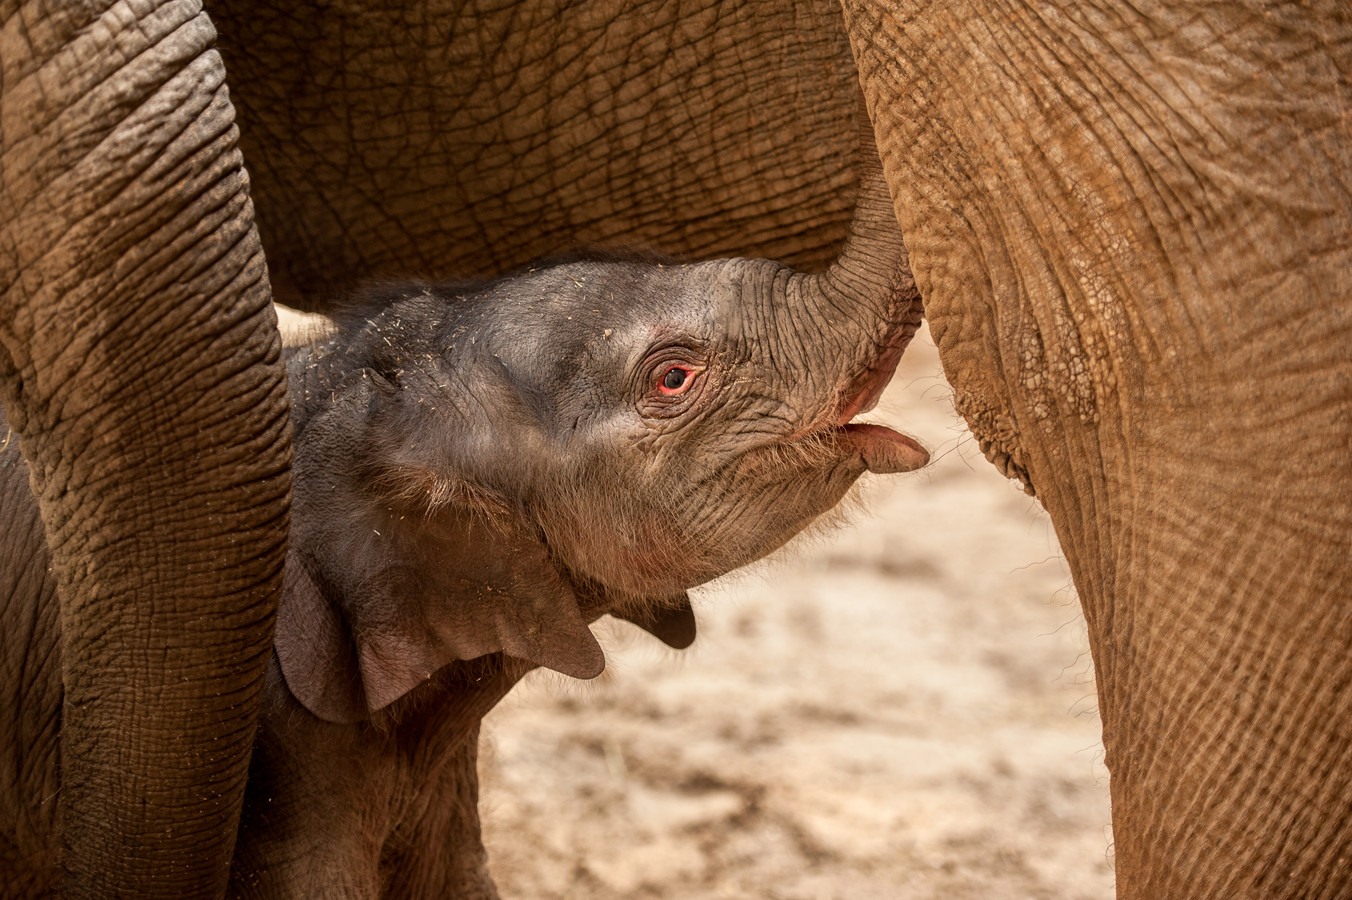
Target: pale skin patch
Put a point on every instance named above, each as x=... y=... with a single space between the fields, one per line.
x=301 y=328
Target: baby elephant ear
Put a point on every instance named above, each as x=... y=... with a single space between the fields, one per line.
x=670 y=621
x=372 y=608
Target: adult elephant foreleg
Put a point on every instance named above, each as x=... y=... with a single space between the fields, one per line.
x=1129 y=224
x=139 y=365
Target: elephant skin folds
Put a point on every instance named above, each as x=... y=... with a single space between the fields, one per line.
x=511 y=131
x=1156 y=343
x=140 y=368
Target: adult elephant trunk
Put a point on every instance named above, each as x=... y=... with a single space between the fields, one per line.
x=139 y=364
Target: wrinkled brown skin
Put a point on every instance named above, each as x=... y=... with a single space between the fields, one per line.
x=513 y=131
x=140 y=371
x=1129 y=224
x=1156 y=338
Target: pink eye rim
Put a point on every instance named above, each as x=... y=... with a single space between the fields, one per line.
x=683 y=385
x=694 y=369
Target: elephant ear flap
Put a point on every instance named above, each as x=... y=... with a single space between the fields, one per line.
x=671 y=621
x=366 y=619
x=513 y=596
x=315 y=652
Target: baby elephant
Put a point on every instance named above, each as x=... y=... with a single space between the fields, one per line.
x=480 y=472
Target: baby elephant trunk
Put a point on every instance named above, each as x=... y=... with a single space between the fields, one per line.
x=842 y=332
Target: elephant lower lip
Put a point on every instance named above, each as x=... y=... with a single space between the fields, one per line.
x=883 y=450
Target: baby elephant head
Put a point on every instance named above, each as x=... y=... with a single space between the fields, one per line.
x=486 y=468
x=660 y=425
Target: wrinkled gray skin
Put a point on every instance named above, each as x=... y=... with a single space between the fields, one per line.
x=480 y=471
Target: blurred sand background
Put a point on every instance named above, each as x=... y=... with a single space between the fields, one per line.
x=901 y=706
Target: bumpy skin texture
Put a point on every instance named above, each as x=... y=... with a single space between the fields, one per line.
x=140 y=370
x=1131 y=227
x=465 y=138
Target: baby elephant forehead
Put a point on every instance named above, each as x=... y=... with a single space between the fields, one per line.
x=640 y=290
x=600 y=305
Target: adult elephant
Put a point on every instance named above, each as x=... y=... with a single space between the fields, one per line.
x=139 y=367
x=1129 y=224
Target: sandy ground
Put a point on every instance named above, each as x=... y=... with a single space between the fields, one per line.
x=901 y=707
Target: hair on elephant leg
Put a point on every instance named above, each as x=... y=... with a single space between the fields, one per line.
x=385 y=808
x=438 y=851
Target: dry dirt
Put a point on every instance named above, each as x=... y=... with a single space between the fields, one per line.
x=900 y=707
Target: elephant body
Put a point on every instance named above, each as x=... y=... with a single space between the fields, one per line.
x=695 y=128
x=1130 y=228
x=1129 y=225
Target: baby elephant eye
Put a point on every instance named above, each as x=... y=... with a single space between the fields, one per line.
x=673 y=382
x=676 y=380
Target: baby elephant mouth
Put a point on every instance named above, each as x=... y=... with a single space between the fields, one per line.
x=882 y=450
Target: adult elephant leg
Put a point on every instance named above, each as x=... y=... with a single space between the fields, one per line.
x=139 y=363
x=1129 y=224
